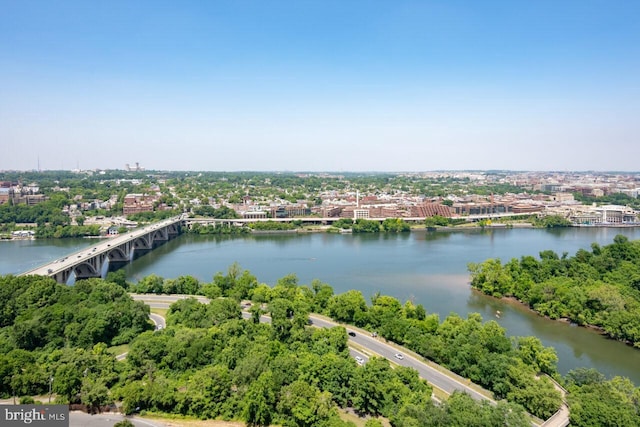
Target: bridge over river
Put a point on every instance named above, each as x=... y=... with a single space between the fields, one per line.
x=95 y=260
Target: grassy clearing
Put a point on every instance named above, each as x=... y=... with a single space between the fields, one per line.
x=160 y=311
x=347 y=415
x=118 y=349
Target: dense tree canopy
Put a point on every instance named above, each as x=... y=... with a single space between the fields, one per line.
x=210 y=363
x=52 y=330
x=600 y=287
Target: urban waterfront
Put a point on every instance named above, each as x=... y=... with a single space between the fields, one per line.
x=425 y=267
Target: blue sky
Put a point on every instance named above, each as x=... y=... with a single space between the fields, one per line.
x=320 y=85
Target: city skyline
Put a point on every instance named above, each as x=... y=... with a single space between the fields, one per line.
x=320 y=86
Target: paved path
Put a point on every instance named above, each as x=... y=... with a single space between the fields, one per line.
x=81 y=419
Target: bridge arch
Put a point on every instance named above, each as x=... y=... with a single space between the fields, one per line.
x=142 y=242
x=101 y=257
x=117 y=254
x=85 y=270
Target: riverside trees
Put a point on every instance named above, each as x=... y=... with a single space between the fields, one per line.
x=476 y=350
x=600 y=287
x=209 y=363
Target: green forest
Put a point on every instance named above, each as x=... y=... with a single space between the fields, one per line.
x=210 y=363
x=599 y=288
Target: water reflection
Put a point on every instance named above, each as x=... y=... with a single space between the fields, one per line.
x=575 y=346
x=429 y=268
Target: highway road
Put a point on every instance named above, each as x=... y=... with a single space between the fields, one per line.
x=158 y=321
x=440 y=378
x=445 y=382
x=372 y=345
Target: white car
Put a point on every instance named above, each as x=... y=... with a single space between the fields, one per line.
x=399 y=356
x=359 y=360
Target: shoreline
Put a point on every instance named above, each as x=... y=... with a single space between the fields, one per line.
x=330 y=229
x=511 y=300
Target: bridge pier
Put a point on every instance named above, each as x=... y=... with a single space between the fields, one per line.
x=110 y=254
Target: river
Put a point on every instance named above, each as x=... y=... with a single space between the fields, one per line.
x=425 y=267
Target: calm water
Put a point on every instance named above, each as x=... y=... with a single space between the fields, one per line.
x=427 y=268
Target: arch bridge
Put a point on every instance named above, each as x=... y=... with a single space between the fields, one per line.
x=98 y=259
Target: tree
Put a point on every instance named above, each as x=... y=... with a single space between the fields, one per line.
x=259 y=401
x=599 y=404
x=151 y=284
x=533 y=353
x=366 y=226
x=94 y=394
x=491 y=278
x=369 y=383
x=118 y=277
x=206 y=392
x=348 y=307
x=322 y=295
x=395 y=225
x=305 y=405
x=281 y=313
x=68 y=381
x=584 y=376
x=436 y=220
x=537 y=395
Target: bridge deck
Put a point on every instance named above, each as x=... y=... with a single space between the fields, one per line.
x=98 y=251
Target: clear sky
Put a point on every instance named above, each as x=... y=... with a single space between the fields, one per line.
x=324 y=85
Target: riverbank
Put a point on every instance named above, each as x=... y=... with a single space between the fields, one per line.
x=426 y=268
x=594 y=328
x=330 y=229
x=475 y=226
x=513 y=301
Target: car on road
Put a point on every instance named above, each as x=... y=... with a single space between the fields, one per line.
x=352 y=334
x=399 y=356
x=359 y=360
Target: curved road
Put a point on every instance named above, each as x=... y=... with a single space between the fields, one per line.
x=447 y=382
x=82 y=419
x=377 y=346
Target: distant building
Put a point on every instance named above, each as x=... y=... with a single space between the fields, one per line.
x=430 y=209
x=289 y=211
x=525 y=208
x=603 y=215
x=254 y=214
x=361 y=213
x=564 y=197
x=330 y=212
x=136 y=168
x=136 y=203
x=4 y=195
